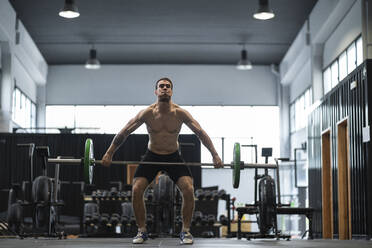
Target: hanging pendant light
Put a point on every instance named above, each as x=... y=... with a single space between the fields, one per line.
x=69 y=10
x=264 y=12
x=244 y=63
x=93 y=62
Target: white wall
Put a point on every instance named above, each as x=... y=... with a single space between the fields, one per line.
x=134 y=84
x=21 y=62
x=301 y=82
x=23 y=79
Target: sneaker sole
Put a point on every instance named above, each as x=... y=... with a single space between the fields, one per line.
x=186 y=243
x=138 y=242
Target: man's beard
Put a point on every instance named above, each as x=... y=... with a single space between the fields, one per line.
x=164 y=99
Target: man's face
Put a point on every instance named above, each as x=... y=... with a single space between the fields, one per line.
x=164 y=91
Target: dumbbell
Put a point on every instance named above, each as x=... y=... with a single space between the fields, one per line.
x=129 y=195
x=87 y=219
x=193 y=221
x=91 y=211
x=114 y=220
x=98 y=194
x=178 y=221
x=126 y=213
x=149 y=195
x=105 y=195
x=95 y=219
x=150 y=220
x=199 y=194
x=123 y=195
x=204 y=220
x=104 y=219
x=207 y=195
x=124 y=220
x=223 y=220
x=222 y=194
x=211 y=219
x=91 y=224
x=113 y=193
x=132 y=221
x=214 y=194
x=198 y=217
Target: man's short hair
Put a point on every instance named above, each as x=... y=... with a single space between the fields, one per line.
x=166 y=79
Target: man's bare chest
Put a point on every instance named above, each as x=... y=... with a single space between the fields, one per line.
x=169 y=123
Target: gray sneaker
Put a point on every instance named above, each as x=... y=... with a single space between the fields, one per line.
x=186 y=238
x=140 y=238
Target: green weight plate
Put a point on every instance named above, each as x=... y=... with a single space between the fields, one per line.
x=236 y=165
x=88 y=161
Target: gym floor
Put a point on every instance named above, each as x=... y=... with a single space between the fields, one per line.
x=174 y=242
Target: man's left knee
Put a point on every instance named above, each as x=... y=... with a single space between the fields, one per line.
x=187 y=189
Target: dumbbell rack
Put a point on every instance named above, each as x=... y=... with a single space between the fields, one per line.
x=106 y=222
x=110 y=222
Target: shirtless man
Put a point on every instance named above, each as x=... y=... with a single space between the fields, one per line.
x=163 y=120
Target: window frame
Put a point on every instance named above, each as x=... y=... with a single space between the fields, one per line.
x=328 y=69
x=22 y=115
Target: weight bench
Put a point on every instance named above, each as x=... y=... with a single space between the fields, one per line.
x=252 y=209
x=308 y=212
x=248 y=209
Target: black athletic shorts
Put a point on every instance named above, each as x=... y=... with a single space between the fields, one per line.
x=174 y=171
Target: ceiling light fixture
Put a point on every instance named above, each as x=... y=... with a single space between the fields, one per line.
x=69 y=10
x=93 y=62
x=264 y=12
x=244 y=63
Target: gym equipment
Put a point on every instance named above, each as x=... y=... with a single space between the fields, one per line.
x=164 y=189
x=91 y=217
x=15 y=211
x=199 y=194
x=265 y=208
x=211 y=219
x=104 y=220
x=215 y=194
x=223 y=220
x=149 y=194
x=44 y=200
x=207 y=195
x=198 y=217
x=267 y=205
x=150 y=220
x=127 y=214
x=114 y=220
x=89 y=162
x=204 y=220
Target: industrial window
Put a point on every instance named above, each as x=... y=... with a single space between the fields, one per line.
x=359 y=50
x=351 y=58
x=299 y=110
x=23 y=110
x=343 y=65
x=327 y=80
x=334 y=74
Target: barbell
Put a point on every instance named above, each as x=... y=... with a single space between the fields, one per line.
x=89 y=162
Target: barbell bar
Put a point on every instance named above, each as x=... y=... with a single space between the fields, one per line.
x=89 y=162
x=79 y=160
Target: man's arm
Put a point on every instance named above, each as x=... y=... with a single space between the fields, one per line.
x=120 y=137
x=203 y=136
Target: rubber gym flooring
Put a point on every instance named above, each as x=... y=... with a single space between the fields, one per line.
x=174 y=242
